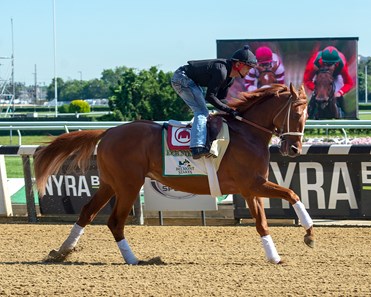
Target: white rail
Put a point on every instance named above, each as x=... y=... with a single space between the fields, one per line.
x=67 y=126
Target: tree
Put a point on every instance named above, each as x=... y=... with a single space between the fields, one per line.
x=50 y=91
x=147 y=94
x=361 y=78
x=95 y=89
x=71 y=90
x=112 y=77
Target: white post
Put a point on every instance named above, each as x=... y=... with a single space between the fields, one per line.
x=366 y=93
x=5 y=201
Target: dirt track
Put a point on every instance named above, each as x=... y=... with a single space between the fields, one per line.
x=185 y=261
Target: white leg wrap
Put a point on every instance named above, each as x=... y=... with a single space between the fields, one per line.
x=72 y=239
x=301 y=212
x=270 y=250
x=126 y=252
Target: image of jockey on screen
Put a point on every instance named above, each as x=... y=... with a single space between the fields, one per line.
x=330 y=59
x=269 y=70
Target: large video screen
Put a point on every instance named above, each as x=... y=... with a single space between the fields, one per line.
x=326 y=66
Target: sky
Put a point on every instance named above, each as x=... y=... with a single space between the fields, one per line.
x=94 y=35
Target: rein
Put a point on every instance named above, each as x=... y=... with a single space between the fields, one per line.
x=275 y=131
x=241 y=119
x=332 y=92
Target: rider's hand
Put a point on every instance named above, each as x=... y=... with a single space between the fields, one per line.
x=338 y=94
x=234 y=113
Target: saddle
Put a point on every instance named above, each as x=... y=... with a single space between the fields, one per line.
x=177 y=160
x=179 y=134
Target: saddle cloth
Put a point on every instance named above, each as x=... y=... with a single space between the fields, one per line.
x=178 y=136
x=179 y=162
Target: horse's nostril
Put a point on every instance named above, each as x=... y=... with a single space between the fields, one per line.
x=294 y=149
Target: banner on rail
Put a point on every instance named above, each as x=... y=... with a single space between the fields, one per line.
x=332 y=181
x=67 y=193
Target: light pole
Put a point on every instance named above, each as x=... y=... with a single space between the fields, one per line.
x=55 y=63
x=36 y=98
x=13 y=84
x=80 y=75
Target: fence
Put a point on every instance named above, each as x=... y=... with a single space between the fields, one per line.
x=334 y=181
x=67 y=126
x=362 y=170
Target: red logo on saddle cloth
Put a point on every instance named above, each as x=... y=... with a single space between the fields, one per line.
x=178 y=138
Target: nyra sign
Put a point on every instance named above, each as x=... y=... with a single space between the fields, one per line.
x=71 y=185
x=67 y=193
x=330 y=184
x=314 y=180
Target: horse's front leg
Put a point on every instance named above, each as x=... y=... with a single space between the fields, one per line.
x=312 y=108
x=334 y=108
x=256 y=208
x=269 y=189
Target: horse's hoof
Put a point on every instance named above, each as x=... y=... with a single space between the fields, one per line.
x=272 y=261
x=309 y=241
x=56 y=256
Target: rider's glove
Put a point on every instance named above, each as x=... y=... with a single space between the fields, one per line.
x=234 y=113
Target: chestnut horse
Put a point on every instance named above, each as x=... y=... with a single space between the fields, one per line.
x=323 y=103
x=128 y=153
x=267 y=75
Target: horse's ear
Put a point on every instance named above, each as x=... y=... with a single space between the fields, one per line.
x=302 y=90
x=293 y=91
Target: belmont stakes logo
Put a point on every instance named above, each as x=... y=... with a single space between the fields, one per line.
x=185 y=167
x=169 y=192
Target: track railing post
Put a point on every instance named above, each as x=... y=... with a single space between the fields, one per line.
x=30 y=198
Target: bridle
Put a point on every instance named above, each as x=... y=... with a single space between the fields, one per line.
x=278 y=132
x=332 y=92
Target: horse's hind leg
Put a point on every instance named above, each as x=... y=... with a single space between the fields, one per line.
x=256 y=208
x=87 y=215
x=92 y=208
x=125 y=198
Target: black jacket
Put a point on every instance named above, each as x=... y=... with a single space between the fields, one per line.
x=214 y=75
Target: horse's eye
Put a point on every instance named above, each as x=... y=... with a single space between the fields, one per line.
x=296 y=116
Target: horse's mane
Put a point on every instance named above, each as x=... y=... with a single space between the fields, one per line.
x=245 y=100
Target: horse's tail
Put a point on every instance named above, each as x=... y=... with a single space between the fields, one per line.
x=79 y=145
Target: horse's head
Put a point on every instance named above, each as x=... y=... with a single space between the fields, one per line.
x=290 y=122
x=275 y=110
x=324 y=84
x=267 y=74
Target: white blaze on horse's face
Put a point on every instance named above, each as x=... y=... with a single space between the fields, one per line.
x=305 y=117
x=305 y=113
x=291 y=139
x=324 y=85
